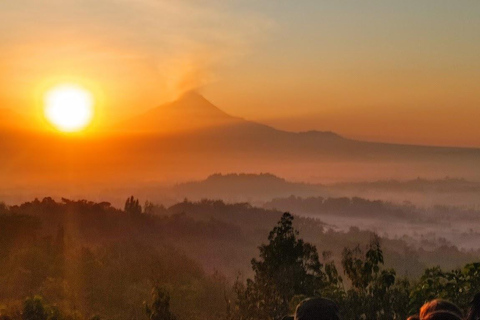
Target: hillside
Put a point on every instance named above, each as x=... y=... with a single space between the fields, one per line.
x=253 y=188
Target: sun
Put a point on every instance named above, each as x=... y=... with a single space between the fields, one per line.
x=68 y=107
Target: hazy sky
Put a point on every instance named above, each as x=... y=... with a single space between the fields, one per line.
x=402 y=71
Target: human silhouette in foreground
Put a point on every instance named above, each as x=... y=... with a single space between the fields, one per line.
x=440 y=306
x=442 y=315
x=317 y=309
x=474 y=312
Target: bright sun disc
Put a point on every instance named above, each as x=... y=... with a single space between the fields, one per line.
x=68 y=107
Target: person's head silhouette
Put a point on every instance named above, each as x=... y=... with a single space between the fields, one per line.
x=317 y=309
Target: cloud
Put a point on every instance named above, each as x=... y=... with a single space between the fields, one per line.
x=185 y=44
x=192 y=41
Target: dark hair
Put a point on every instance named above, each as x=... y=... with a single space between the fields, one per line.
x=439 y=305
x=317 y=309
x=442 y=315
x=474 y=312
x=414 y=317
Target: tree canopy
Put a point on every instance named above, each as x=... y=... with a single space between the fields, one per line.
x=287 y=267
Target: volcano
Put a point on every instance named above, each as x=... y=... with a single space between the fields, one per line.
x=191 y=138
x=190 y=112
x=197 y=118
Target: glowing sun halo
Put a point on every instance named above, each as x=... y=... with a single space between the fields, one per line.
x=68 y=107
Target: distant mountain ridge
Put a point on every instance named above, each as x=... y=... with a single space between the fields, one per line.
x=245 y=187
x=263 y=187
x=189 y=112
x=190 y=138
x=259 y=188
x=444 y=185
x=192 y=112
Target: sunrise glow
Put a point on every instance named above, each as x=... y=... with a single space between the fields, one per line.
x=68 y=107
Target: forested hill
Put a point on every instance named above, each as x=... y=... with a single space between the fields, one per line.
x=92 y=257
x=219 y=236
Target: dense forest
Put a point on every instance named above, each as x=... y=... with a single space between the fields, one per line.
x=193 y=260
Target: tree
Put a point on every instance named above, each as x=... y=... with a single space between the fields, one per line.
x=375 y=293
x=361 y=271
x=287 y=267
x=3 y=208
x=160 y=307
x=458 y=286
x=34 y=309
x=132 y=206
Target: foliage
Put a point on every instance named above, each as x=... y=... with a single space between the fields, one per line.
x=333 y=287
x=160 y=307
x=3 y=208
x=287 y=267
x=34 y=308
x=152 y=208
x=289 y=270
x=89 y=259
x=457 y=285
x=132 y=206
x=375 y=292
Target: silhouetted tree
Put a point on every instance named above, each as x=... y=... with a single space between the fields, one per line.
x=34 y=309
x=160 y=307
x=287 y=267
x=132 y=206
x=375 y=294
x=458 y=286
x=3 y=208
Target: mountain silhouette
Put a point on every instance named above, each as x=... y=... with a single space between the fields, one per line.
x=192 y=112
x=190 y=138
x=205 y=137
x=188 y=113
x=245 y=187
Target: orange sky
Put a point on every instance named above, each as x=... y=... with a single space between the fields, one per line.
x=403 y=72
